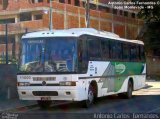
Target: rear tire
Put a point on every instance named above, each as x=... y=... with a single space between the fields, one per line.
x=44 y=104
x=128 y=94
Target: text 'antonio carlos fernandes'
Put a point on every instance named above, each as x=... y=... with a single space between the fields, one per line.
x=126 y=116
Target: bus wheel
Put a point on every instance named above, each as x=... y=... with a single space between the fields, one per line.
x=128 y=94
x=44 y=104
x=89 y=102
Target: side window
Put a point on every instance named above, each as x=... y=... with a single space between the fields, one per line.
x=133 y=52
x=138 y=53
x=112 y=49
x=105 y=49
x=82 y=55
x=142 y=54
x=126 y=51
x=94 y=48
x=119 y=50
x=116 y=50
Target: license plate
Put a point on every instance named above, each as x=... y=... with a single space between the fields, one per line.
x=45 y=98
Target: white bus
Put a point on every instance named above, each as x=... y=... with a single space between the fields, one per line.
x=79 y=64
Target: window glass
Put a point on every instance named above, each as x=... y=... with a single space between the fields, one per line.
x=62 y=1
x=5 y=4
x=77 y=3
x=133 y=53
x=94 y=48
x=114 y=11
x=133 y=15
x=92 y=6
x=82 y=55
x=49 y=55
x=116 y=50
x=142 y=54
x=25 y=16
x=10 y=20
x=105 y=48
x=138 y=53
x=102 y=8
x=37 y=16
x=120 y=12
x=126 y=51
x=125 y=13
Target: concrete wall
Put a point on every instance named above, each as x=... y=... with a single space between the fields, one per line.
x=8 y=89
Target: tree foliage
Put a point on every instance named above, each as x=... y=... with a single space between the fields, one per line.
x=151 y=29
x=151 y=37
x=150 y=12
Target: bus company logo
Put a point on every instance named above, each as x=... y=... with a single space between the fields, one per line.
x=120 y=68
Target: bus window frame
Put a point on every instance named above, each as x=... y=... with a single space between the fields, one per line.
x=99 y=50
x=80 y=68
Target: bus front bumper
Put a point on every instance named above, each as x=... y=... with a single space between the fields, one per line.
x=49 y=93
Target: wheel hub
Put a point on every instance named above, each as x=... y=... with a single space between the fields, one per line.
x=90 y=96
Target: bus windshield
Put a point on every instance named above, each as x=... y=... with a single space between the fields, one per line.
x=51 y=54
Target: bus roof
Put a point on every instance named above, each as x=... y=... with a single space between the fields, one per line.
x=76 y=32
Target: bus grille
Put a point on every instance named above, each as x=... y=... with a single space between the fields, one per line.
x=45 y=93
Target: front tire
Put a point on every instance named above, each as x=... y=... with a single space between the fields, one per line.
x=89 y=102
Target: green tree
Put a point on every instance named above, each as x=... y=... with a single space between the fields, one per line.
x=150 y=32
x=150 y=13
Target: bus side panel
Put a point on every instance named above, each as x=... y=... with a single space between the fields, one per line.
x=139 y=80
x=123 y=70
x=97 y=71
x=114 y=76
x=82 y=89
x=111 y=77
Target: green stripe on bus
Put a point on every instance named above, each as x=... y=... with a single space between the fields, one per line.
x=125 y=68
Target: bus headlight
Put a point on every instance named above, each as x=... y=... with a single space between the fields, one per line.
x=67 y=83
x=23 y=84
